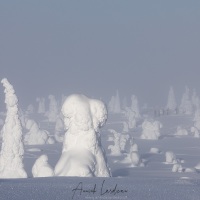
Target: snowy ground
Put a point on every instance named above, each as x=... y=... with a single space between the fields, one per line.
x=153 y=181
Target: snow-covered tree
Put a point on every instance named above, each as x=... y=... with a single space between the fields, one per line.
x=115 y=148
x=125 y=127
x=59 y=129
x=30 y=109
x=35 y=135
x=171 y=102
x=131 y=118
x=52 y=113
x=151 y=130
x=12 y=150
x=135 y=106
x=117 y=107
x=41 y=105
x=83 y=154
x=181 y=131
x=186 y=104
x=114 y=104
x=41 y=167
x=170 y=157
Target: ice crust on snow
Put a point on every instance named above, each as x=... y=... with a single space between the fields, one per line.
x=12 y=150
x=82 y=153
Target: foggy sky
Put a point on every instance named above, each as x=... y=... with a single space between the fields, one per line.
x=95 y=47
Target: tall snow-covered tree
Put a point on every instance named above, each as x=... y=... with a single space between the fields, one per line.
x=135 y=106
x=12 y=150
x=41 y=105
x=186 y=104
x=117 y=107
x=114 y=104
x=171 y=102
x=52 y=114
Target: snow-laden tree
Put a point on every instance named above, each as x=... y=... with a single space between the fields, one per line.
x=131 y=118
x=30 y=109
x=117 y=107
x=124 y=103
x=59 y=129
x=125 y=127
x=41 y=105
x=181 y=131
x=170 y=157
x=12 y=149
x=41 y=167
x=114 y=105
x=35 y=135
x=115 y=148
x=171 y=102
x=52 y=113
x=151 y=130
x=135 y=106
x=186 y=104
x=83 y=154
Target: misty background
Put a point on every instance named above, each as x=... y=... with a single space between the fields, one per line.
x=139 y=47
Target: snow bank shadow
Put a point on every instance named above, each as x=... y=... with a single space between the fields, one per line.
x=121 y=172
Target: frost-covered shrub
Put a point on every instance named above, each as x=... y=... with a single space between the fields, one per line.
x=181 y=131
x=125 y=127
x=41 y=167
x=82 y=153
x=151 y=130
x=135 y=106
x=171 y=103
x=36 y=136
x=59 y=129
x=195 y=132
x=114 y=105
x=115 y=148
x=41 y=105
x=177 y=168
x=123 y=141
x=135 y=158
x=30 y=109
x=186 y=106
x=119 y=140
x=131 y=117
x=12 y=149
x=52 y=113
x=170 y=157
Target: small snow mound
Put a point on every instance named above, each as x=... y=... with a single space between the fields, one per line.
x=190 y=170
x=181 y=131
x=34 y=150
x=154 y=150
x=41 y=168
